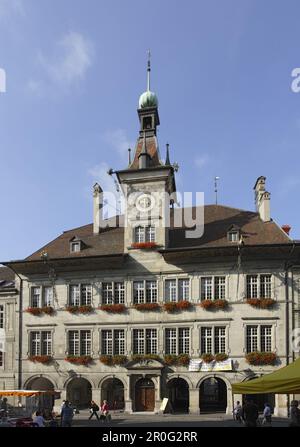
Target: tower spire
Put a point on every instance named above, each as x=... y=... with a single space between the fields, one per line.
x=167 y=155
x=148 y=71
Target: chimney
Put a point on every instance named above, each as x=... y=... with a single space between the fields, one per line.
x=286 y=229
x=98 y=208
x=262 y=199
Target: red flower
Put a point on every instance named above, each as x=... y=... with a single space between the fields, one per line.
x=207 y=304
x=220 y=304
x=48 y=310
x=261 y=358
x=147 y=306
x=79 y=360
x=170 y=307
x=262 y=303
x=207 y=358
x=34 y=310
x=144 y=245
x=113 y=308
x=45 y=359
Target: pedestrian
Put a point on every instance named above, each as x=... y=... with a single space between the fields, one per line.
x=237 y=412
x=294 y=414
x=250 y=413
x=4 y=407
x=53 y=421
x=105 y=416
x=67 y=414
x=267 y=415
x=39 y=420
x=94 y=410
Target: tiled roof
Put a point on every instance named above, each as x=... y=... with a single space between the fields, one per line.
x=152 y=150
x=217 y=218
x=6 y=274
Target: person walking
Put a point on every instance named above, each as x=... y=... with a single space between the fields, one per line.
x=39 y=420
x=237 y=412
x=67 y=414
x=294 y=414
x=267 y=415
x=250 y=413
x=94 y=410
x=105 y=416
x=4 y=407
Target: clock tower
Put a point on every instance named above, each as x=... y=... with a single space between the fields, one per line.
x=148 y=183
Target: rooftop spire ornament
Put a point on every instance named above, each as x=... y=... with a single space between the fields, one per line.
x=148 y=98
x=148 y=71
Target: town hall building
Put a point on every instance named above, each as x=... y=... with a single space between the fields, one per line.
x=135 y=309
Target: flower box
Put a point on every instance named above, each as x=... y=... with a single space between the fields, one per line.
x=261 y=358
x=79 y=360
x=48 y=310
x=113 y=308
x=177 y=306
x=207 y=358
x=261 y=303
x=214 y=304
x=207 y=304
x=177 y=360
x=113 y=360
x=79 y=309
x=144 y=245
x=220 y=357
x=147 y=306
x=45 y=359
x=34 y=310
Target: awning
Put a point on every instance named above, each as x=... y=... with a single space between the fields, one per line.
x=285 y=380
x=25 y=393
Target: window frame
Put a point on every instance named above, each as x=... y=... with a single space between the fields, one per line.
x=213 y=287
x=113 y=339
x=145 y=291
x=144 y=339
x=42 y=295
x=80 y=286
x=213 y=328
x=259 y=336
x=178 y=341
x=259 y=285
x=79 y=332
x=177 y=289
x=40 y=350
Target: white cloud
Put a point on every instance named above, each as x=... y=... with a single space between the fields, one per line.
x=201 y=161
x=73 y=56
x=119 y=141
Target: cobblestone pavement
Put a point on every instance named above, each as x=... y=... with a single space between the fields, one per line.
x=151 y=420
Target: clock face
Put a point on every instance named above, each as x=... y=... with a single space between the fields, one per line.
x=145 y=203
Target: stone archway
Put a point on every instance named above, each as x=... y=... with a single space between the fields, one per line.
x=178 y=394
x=144 y=395
x=112 y=390
x=44 y=401
x=79 y=392
x=213 y=395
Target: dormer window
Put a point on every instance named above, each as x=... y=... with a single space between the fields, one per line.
x=75 y=245
x=233 y=234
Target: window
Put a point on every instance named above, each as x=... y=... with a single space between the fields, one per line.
x=213 y=287
x=233 y=236
x=75 y=247
x=1 y=359
x=41 y=343
x=36 y=297
x=177 y=341
x=259 y=286
x=147 y=122
x=79 y=342
x=80 y=295
x=259 y=338
x=144 y=234
x=113 y=293
x=144 y=341
x=177 y=290
x=48 y=296
x=1 y=317
x=213 y=340
x=113 y=342
x=144 y=291
x=42 y=296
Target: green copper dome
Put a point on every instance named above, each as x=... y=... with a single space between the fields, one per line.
x=148 y=99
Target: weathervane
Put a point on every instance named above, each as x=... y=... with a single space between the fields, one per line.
x=148 y=71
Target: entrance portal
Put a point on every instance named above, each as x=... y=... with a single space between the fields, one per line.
x=213 y=396
x=79 y=393
x=144 y=395
x=113 y=391
x=44 y=401
x=178 y=396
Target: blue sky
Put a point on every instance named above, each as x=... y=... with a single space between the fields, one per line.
x=75 y=69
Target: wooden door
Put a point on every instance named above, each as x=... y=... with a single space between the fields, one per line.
x=144 y=395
